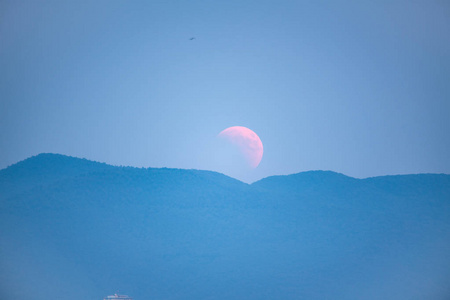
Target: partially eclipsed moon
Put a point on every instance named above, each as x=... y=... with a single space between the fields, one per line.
x=247 y=141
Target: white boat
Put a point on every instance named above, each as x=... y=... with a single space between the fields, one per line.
x=117 y=296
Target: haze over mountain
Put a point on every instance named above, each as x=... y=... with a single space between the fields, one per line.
x=78 y=229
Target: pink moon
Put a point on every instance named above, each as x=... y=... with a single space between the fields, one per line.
x=247 y=141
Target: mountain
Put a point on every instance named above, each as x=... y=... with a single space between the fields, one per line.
x=76 y=229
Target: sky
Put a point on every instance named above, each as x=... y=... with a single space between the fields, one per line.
x=356 y=87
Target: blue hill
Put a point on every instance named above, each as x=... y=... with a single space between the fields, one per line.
x=77 y=229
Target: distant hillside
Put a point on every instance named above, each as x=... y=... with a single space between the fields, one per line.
x=44 y=169
x=76 y=229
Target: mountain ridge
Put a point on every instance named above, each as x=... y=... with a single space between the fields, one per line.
x=81 y=230
x=88 y=164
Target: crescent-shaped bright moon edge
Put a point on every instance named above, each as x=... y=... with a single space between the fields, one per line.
x=247 y=141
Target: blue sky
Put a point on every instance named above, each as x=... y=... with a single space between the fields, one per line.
x=356 y=87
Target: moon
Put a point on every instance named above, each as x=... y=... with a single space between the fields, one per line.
x=247 y=141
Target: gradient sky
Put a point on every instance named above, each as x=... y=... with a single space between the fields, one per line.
x=350 y=86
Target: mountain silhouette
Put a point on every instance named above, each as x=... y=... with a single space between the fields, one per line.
x=76 y=229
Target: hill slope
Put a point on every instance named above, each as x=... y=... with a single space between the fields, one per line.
x=77 y=229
